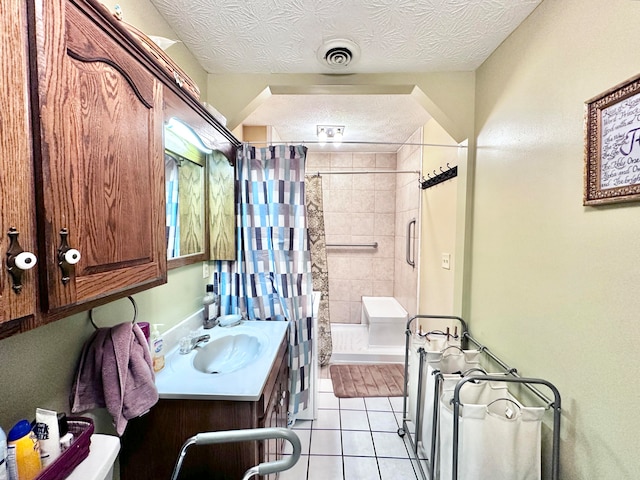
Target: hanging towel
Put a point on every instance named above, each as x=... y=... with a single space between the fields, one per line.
x=115 y=372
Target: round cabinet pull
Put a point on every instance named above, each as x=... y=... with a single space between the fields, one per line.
x=18 y=260
x=25 y=261
x=67 y=256
x=72 y=256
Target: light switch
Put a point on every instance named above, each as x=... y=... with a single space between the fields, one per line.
x=205 y=270
x=446 y=261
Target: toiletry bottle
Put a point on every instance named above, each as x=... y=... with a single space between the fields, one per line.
x=3 y=456
x=216 y=295
x=48 y=433
x=23 y=452
x=66 y=437
x=209 y=313
x=157 y=349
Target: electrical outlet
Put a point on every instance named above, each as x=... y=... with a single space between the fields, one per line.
x=205 y=270
x=446 y=261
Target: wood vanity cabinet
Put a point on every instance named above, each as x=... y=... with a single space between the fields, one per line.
x=151 y=443
x=16 y=172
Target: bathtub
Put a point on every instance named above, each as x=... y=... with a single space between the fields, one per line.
x=386 y=321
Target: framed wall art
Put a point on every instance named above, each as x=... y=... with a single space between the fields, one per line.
x=612 y=145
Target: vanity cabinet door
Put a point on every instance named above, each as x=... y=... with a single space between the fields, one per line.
x=99 y=159
x=16 y=176
x=276 y=412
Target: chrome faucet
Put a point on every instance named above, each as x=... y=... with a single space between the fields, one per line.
x=210 y=323
x=187 y=344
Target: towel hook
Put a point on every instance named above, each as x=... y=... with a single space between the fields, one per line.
x=135 y=313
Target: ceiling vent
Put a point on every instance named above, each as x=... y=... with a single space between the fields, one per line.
x=338 y=53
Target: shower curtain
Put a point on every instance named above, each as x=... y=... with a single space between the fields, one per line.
x=319 y=269
x=172 y=223
x=271 y=277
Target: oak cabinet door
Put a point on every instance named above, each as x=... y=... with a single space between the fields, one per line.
x=101 y=165
x=16 y=175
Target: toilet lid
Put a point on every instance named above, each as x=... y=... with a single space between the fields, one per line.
x=102 y=455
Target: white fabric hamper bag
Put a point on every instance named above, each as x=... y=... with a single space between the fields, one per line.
x=499 y=439
x=432 y=342
x=451 y=360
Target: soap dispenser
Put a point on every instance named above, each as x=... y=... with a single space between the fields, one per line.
x=157 y=349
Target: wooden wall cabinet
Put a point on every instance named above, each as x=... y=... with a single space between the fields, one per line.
x=82 y=108
x=99 y=158
x=151 y=443
x=16 y=172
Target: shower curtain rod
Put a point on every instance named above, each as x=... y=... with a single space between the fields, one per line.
x=347 y=142
x=358 y=172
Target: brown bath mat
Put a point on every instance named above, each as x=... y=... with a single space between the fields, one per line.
x=376 y=380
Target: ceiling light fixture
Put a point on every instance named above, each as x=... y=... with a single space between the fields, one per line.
x=186 y=133
x=322 y=135
x=332 y=133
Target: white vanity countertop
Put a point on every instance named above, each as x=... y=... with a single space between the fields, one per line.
x=179 y=379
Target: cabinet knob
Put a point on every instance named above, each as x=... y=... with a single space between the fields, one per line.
x=67 y=256
x=18 y=260
x=72 y=256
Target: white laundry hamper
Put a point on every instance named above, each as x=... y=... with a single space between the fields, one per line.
x=499 y=438
x=452 y=362
x=434 y=341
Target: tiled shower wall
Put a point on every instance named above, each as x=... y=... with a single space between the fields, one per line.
x=358 y=208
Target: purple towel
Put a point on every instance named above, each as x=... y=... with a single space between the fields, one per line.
x=115 y=372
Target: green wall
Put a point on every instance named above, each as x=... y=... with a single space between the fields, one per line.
x=553 y=283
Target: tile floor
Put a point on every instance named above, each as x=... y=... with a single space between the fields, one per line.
x=352 y=439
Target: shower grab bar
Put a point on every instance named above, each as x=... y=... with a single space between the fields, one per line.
x=354 y=245
x=410 y=251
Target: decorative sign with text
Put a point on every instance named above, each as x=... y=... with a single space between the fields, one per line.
x=612 y=150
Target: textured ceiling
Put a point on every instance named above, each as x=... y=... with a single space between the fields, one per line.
x=284 y=36
x=386 y=118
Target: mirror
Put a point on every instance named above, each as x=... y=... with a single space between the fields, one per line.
x=200 y=184
x=221 y=201
x=185 y=159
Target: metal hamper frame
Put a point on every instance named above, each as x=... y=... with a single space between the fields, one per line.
x=529 y=383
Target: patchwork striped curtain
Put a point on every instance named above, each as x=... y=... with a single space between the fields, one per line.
x=271 y=278
x=172 y=223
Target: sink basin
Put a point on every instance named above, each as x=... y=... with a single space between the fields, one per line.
x=227 y=354
x=242 y=356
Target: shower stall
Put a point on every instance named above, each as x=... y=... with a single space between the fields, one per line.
x=371 y=204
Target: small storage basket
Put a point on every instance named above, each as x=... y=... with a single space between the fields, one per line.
x=82 y=429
